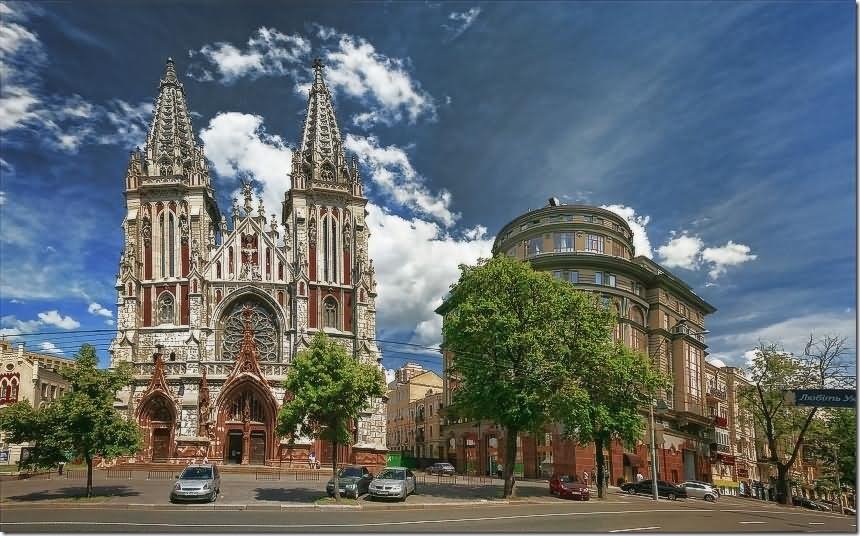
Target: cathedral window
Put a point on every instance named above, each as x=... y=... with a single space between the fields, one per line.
x=218 y=269
x=333 y=249
x=162 y=242
x=330 y=313
x=263 y=324
x=171 y=244
x=247 y=406
x=326 y=254
x=14 y=394
x=4 y=389
x=165 y=308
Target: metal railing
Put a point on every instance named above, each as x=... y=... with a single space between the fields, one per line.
x=686 y=329
x=70 y=474
x=118 y=473
x=161 y=474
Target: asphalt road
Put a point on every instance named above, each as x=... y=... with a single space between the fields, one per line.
x=633 y=514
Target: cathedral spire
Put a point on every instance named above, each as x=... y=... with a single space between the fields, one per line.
x=171 y=152
x=321 y=154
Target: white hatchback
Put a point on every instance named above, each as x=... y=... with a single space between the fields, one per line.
x=700 y=490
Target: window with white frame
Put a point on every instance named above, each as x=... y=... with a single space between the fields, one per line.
x=694 y=356
x=535 y=246
x=563 y=241
x=595 y=243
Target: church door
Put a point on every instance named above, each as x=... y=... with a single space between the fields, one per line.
x=258 y=447
x=160 y=444
x=234 y=446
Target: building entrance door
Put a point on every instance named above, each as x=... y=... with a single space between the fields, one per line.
x=234 y=447
x=258 y=447
x=160 y=444
x=689 y=465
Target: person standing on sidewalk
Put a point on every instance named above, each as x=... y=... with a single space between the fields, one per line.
x=585 y=478
x=639 y=477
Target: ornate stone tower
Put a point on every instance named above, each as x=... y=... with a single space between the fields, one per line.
x=335 y=286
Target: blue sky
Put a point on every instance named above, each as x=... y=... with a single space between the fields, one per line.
x=724 y=132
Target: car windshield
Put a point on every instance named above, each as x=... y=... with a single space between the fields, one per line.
x=350 y=471
x=566 y=478
x=196 y=473
x=393 y=474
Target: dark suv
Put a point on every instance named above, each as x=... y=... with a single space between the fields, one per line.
x=664 y=489
x=441 y=468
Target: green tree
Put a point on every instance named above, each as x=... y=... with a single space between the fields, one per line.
x=774 y=371
x=329 y=389
x=518 y=339
x=832 y=439
x=82 y=423
x=619 y=382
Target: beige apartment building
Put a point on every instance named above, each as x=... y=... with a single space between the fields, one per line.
x=734 y=464
x=658 y=314
x=412 y=413
x=29 y=376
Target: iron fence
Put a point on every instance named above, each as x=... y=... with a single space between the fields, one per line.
x=157 y=474
x=118 y=473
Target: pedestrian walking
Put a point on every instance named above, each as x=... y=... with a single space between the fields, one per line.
x=639 y=477
x=499 y=470
x=62 y=465
x=312 y=460
x=585 y=477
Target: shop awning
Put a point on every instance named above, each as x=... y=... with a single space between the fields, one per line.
x=633 y=460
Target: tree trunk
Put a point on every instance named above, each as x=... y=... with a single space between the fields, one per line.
x=510 y=459
x=599 y=460
x=334 y=471
x=89 y=476
x=783 y=484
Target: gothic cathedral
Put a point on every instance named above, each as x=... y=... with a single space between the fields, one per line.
x=211 y=310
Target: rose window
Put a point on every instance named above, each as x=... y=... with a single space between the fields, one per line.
x=263 y=325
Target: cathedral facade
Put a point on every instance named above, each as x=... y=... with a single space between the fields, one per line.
x=213 y=307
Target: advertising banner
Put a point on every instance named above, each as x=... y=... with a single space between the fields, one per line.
x=830 y=398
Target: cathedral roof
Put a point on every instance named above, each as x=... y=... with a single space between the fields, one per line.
x=171 y=149
x=321 y=156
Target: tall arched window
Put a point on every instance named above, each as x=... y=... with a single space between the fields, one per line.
x=165 y=308
x=333 y=248
x=326 y=255
x=14 y=394
x=4 y=389
x=171 y=243
x=162 y=239
x=330 y=313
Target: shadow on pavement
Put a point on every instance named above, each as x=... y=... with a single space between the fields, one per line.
x=76 y=492
x=305 y=495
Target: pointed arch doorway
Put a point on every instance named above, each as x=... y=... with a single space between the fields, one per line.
x=247 y=418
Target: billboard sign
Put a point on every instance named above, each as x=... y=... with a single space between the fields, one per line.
x=828 y=398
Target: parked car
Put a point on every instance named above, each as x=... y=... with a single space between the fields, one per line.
x=397 y=482
x=803 y=502
x=441 y=468
x=716 y=490
x=699 y=490
x=352 y=481
x=568 y=486
x=664 y=489
x=196 y=482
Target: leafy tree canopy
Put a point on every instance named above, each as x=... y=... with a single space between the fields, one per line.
x=80 y=424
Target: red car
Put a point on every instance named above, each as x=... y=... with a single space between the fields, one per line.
x=566 y=486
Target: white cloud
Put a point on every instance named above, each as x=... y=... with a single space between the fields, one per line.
x=97 y=309
x=356 y=69
x=641 y=243
x=792 y=335
x=392 y=172
x=389 y=376
x=50 y=347
x=268 y=53
x=681 y=252
x=730 y=254
x=416 y=262
x=11 y=326
x=54 y=318
x=689 y=252
x=462 y=21
x=717 y=363
x=109 y=322
x=237 y=144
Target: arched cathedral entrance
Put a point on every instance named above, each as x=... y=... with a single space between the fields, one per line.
x=157 y=419
x=246 y=419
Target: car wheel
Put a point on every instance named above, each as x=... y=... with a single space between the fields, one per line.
x=671 y=497
x=214 y=496
x=710 y=498
x=631 y=491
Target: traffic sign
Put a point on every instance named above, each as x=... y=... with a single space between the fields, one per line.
x=827 y=398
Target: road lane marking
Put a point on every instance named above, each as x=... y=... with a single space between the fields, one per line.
x=752 y=522
x=348 y=525
x=816 y=523
x=631 y=530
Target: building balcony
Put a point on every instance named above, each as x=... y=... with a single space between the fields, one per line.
x=720 y=422
x=689 y=331
x=717 y=394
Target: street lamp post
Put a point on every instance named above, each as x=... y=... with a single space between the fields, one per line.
x=661 y=407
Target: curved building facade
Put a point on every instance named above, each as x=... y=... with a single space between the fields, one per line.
x=658 y=314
